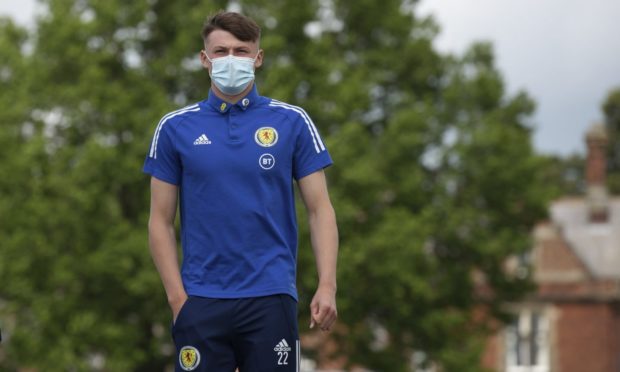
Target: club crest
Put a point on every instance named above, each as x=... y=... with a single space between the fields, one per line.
x=266 y=136
x=189 y=358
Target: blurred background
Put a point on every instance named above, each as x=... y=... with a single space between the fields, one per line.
x=476 y=166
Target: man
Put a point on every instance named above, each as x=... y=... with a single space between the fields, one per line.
x=230 y=162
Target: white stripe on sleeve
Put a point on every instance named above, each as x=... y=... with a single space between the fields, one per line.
x=316 y=138
x=153 y=152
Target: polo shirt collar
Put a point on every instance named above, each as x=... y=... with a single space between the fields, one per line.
x=223 y=107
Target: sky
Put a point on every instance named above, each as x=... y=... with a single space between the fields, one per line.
x=564 y=53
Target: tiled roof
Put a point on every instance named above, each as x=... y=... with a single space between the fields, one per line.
x=596 y=244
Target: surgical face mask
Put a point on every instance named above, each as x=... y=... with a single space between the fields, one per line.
x=230 y=74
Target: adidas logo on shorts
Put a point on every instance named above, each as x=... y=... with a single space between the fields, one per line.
x=282 y=346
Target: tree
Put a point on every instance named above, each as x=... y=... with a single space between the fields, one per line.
x=611 y=110
x=566 y=174
x=446 y=184
x=435 y=176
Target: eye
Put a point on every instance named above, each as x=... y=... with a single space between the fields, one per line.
x=242 y=52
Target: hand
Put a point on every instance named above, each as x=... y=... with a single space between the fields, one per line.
x=323 y=309
x=176 y=306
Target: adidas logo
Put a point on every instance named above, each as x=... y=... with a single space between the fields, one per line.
x=282 y=346
x=202 y=140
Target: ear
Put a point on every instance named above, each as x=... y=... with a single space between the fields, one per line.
x=259 y=59
x=204 y=60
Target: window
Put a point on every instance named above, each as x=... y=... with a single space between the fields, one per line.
x=527 y=343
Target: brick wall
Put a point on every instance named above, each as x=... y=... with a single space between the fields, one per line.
x=587 y=338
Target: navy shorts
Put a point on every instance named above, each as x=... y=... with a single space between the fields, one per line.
x=252 y=334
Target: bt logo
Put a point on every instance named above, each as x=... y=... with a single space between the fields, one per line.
x=266 y=161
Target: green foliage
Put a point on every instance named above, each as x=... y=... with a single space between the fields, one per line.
x=566 y=174
x=611 y=109
x=434 y=176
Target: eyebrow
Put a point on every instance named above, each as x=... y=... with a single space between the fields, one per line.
x=228 y=47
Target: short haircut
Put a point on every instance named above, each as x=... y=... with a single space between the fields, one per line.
x=242 y=27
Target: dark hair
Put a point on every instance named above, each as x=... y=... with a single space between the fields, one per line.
x=242 y=27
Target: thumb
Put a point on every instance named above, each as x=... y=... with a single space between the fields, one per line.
x=314 y=309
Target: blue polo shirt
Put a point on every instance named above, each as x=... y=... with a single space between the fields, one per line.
x=235 y=165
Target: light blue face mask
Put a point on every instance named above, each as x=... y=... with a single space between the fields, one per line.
x=230 y=74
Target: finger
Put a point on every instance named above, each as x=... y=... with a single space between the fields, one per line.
x=329 y=321
x=314 y=307
x=326 y=317
x=314 y=310
x=319 y=317
x=315 y=320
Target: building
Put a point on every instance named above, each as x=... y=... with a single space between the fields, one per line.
x=572 y=322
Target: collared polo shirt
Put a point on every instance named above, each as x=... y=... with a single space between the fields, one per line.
x=234 y=165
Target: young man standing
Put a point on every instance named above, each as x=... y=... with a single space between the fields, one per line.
x=230 y=162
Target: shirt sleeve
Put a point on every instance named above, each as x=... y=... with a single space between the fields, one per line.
x=162 y=161
x=310 y=153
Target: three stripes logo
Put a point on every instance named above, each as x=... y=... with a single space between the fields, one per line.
x=184 y=111
x=202 y=140
x=282 y=346
x=282 y=349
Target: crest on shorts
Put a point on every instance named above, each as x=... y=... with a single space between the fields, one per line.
x=189 y=358
x=266 y=136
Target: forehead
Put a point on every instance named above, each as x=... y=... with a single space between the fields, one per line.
x=221 y=38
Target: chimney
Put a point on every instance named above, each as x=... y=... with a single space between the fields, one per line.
x=596 y=174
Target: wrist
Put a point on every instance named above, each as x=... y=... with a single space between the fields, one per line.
x=177 y=298
x=328 y=286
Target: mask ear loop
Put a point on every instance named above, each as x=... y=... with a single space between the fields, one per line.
x=209 y=59
x=256 y=56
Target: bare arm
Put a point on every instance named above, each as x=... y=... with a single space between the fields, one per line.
x=324 y=238
x=162 y=241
